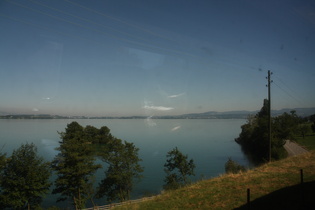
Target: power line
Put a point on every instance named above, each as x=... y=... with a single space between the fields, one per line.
x=89 y=21
x=287 y=86
x=48 y=29
x=65 y=20
x=118 y=20
x=287 y=93
x=102 y=32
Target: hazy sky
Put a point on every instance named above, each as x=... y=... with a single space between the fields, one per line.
x=148 y=57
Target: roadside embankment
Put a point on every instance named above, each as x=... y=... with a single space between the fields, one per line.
x=293 y=148
x=273 y=186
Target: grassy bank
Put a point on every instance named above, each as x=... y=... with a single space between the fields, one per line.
x=277 y=184
x=308 y=142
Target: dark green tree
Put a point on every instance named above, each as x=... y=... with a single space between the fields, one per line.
x=304 y=129
x=91 y=134
x=286 y=125
x=122 y=172
x=254 y=136
x=312 y=119
x=104 y=135
x=97 y=136
x=2 y=165
x=74 y=166
x=24 y=179
x=178 y=169
x=2 y=161
x=233 y=167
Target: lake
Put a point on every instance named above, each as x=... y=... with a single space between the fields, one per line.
x=209 y=142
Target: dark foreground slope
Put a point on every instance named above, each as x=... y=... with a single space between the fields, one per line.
x=273 y=186
x=300 y=196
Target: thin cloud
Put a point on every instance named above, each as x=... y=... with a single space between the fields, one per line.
x=175 y=96
x=47 y=99
x=158 y=108
x=175 y=128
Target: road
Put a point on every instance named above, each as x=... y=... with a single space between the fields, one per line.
x=293 y=148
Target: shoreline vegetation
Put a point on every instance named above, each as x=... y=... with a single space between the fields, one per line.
x=275 y=185
x=262 y=139
x=270 y=184
x=302 y=112
x=288 y=183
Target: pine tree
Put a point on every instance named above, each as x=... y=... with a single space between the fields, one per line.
x=74 y=166
x=24 y=178
x=177 y=168
x=254 y=136
x=123 y=170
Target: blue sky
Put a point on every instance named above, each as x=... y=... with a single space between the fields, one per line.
x=122 y=58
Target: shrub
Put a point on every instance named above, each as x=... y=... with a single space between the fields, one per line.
x=233 y=167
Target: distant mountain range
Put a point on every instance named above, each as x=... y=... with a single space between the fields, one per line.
x=302 y=112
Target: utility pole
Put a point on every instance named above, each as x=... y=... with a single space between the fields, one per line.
x=269 y=118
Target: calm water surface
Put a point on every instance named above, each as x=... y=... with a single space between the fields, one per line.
x=208 y=142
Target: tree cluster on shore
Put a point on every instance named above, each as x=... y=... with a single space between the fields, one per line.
x=178 y=169
x=25 y=176
x=254 y=135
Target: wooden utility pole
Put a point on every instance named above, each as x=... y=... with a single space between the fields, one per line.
x=269 y=118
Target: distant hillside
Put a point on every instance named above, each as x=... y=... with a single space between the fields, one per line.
x=218 y=115
x=302 y=112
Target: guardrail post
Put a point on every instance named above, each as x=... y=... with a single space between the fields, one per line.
x=248 y=198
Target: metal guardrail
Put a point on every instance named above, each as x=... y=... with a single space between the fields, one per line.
x=112 y=205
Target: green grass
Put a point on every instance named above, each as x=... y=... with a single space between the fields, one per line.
x=276 y=184
x=308 y=142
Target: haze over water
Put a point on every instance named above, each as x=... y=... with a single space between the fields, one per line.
x=208 y=142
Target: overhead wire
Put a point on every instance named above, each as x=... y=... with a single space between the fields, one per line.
x=46 y=28
x=65 y=20
x=102 y=32
x=287 y=86
x=287 y=93
x=89 y=21
x=118 y=20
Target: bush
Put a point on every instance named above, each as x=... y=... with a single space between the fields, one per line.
x=178 y=169
x=232 y=167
